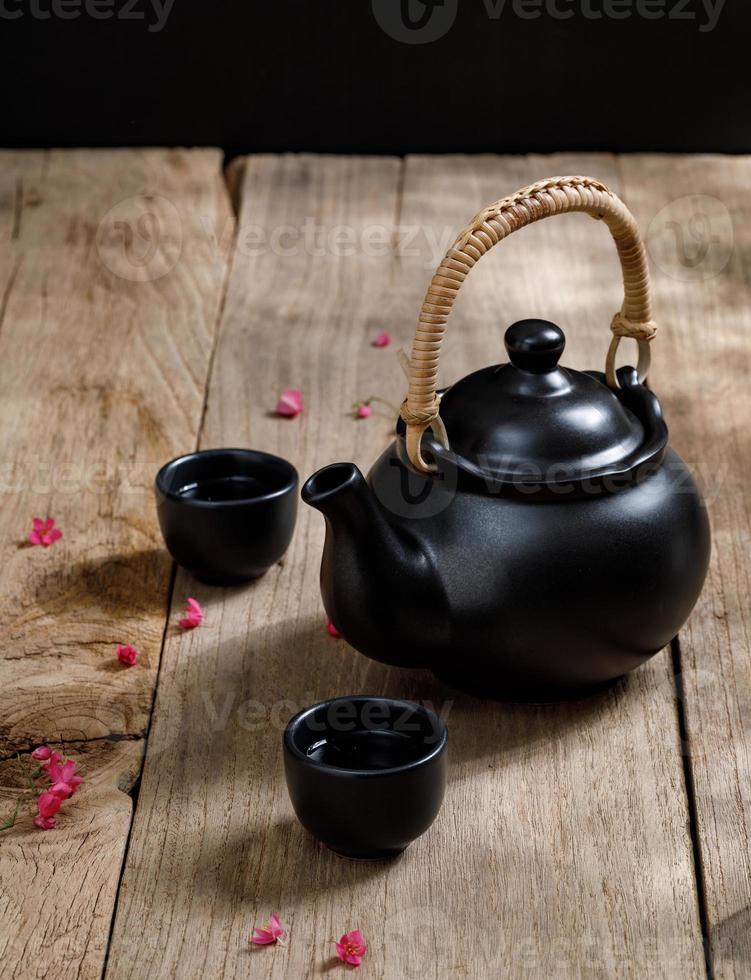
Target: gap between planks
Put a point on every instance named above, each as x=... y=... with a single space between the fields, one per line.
x=685 y=746
x=691 y=803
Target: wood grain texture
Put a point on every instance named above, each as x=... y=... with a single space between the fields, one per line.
x=58 y=887
x=698 y=212
x=563 y=847
x=113 y=278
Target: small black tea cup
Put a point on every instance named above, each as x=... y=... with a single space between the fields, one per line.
x=227 y=515
x=366 y=775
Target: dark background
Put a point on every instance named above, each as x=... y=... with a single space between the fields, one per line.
x=322 y=75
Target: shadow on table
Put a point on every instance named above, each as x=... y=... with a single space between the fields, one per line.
x=277 y=865
x=132 y=583
x=240 y=694
x=273 y=865
x=317 y=666
x=730 y=942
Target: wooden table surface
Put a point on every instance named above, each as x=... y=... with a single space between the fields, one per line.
x=152 y=303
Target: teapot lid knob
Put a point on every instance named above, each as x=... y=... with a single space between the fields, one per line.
x=534 y=345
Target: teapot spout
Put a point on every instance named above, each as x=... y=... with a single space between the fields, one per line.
x=341 y=494
x=375 y=581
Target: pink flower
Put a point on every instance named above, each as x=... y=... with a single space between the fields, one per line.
x=63 y=790
x=127 y=654
x=332 y=630
x=48 y=804
x=42 y=754
x=45 y=533
x=63 y=776
x=290 y=403
x=45 y=823
x=271 y=933
x=193 y=615
x=351 y=948
x=382 y=340
x=364 y=411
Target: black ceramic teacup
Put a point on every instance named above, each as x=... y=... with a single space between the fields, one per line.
x=227 y=515
x=366 y=775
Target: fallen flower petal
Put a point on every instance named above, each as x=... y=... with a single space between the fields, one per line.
x=290 y=403
x=194 y=608
x=66 y=773
x=74 y=782
x=44 y=532
x=351 y=948
x=48 y=804
x=193 y=615
x=42 y=754
x=45 y=823
x=127 y=654
x=68 y=777
x=383 y=339
x=364 y=411
x=53 y=768
x=188 y=623
x=53 y=760
x=276 y=926
x=332 y=630
x=61 y=789
x=63 y=775
x=273 y=932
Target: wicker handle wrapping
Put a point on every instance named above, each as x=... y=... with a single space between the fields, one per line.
x=556 y=195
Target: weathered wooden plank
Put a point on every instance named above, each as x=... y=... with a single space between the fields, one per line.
x=698 y=212
x=214 y=844
x=113 y=281
x=563 y=847
x=58 y=887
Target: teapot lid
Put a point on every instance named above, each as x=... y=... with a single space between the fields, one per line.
x=531 y=421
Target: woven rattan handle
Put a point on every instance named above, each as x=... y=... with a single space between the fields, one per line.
x=557 y=195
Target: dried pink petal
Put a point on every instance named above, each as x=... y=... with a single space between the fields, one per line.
x=127 y=654
x=271 y=933
x=44 y=533
x=193 y=615
x=364 y=411
x=63 y=775
x=382 y=339
x=351 y=948
x=276 y=926
x=194 y=606
x=290 y=403
x=42 y=754
x=45 y=823
x=62 y=789
x=53 y=768
x=48 y=804
x=332 y=630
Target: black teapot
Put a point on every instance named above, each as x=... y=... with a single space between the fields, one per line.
x=529 y=535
